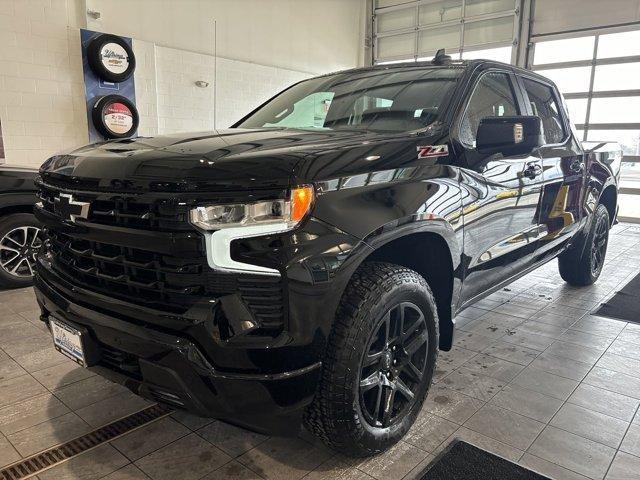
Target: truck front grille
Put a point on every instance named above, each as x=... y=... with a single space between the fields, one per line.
x=131 y=274
x=129 y=211
x=162 y=281
x=167 y=282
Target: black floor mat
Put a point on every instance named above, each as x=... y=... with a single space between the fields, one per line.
x=466 y=462
x=625 y=304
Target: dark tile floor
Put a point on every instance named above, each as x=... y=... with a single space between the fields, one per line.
x=533 y=377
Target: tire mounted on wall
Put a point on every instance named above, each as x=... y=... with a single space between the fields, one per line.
x=111 y=58
x=115 y=116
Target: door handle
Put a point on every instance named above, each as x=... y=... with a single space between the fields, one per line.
x=532 y=170
x=577 y=166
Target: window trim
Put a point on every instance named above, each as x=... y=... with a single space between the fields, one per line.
x=566 y=127
x=463 y=110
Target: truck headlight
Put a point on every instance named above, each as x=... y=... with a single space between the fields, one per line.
x=273 y=215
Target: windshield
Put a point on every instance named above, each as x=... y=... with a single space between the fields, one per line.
x=382 y=100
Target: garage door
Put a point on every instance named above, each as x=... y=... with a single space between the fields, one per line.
x=598 y=73
x=415 y=30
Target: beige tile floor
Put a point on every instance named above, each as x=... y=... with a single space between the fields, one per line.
x=533 y=377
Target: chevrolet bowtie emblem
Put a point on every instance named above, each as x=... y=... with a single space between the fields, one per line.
x=65 y=206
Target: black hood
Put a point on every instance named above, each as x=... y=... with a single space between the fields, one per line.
x=233 y=159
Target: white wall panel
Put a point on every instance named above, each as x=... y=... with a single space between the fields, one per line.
x=42 y=103
x=146 y=87
x=441 y=37
x=431 y=13
x=417 y=29
x=397 y=45
x=481 y=7
x=243 y=86
x=489 y=31
x=553 y=16
x=397 y=19
x=169 y=101
x=182 y=106
x=307 y=35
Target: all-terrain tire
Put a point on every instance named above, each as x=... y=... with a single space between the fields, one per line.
x=336 y=416
x=582 y=263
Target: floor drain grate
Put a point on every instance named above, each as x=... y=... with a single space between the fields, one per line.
x=39 y=462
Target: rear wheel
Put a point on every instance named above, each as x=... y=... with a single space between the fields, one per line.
x=19 y=243
x=582 y=264
x=379 y=361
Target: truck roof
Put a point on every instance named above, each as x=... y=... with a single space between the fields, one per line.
x=462 y=64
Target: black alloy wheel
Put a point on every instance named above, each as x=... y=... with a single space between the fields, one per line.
x=582 y=263
x=394 y=365
x=379 y=361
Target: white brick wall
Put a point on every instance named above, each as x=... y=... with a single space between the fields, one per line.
x=146 y=87
x=42 y=104
x=243 y=86
x=182 y=106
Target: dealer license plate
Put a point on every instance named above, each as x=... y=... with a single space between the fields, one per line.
x=67 y=341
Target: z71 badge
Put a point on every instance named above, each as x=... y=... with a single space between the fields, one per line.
x=432 y=151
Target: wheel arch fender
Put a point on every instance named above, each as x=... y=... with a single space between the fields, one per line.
x=602 y=188
x=609 y=198
x=21 y=202
x=429 y=245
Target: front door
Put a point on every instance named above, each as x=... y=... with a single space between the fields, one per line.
x=563 y=165
x=500 y=207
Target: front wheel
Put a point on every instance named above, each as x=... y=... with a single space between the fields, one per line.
x=379 y=362
x=19 y=244
x=582 y=264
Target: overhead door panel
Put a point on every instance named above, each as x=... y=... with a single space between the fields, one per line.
x=405 y=31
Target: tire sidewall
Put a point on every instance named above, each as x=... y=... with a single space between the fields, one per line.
x=98 y=111
x=381 y=438
x=601 y=212
x=93 y=58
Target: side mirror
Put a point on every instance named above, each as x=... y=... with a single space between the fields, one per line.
x=509 y=135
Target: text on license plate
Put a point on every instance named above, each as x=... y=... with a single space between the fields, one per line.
x=67 y=341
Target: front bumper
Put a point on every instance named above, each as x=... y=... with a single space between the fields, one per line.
x=170 y=368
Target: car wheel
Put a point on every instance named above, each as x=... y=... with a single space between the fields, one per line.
x=379 y=362
x=19 y=243
x=582 y=263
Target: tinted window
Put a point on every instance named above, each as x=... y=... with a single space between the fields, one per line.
x=544 y=105
x=492 y=97
x=393 y=100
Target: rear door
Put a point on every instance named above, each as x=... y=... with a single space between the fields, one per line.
x=562 y=162
x=500 y=208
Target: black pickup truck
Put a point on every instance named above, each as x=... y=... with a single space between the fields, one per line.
x=308 y=263
x=19 y=230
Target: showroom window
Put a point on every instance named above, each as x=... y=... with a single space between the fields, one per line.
x=598 y=74
x=405 y=31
